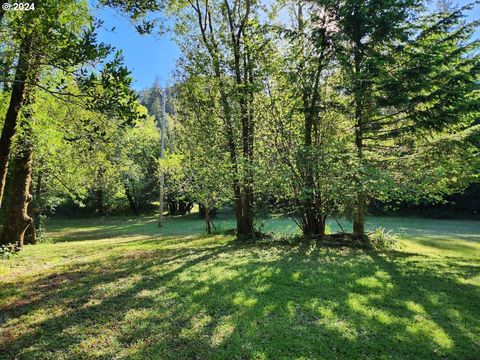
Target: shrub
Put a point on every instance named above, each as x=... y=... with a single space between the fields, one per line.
x=8 y=250
x=381 y=239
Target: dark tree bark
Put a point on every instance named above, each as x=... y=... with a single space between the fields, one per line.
x=243 y=69
x=202 y=212
x=313 y=217
x=360 y=201
x=242 y=185
x=237 y=192
x=17 y=219
x=208 y=221
x=248 y=147
x=99 y=191
x=179 y=207
x=313 y=220
x=172 y=207
x=184 y=207
x=17 y=99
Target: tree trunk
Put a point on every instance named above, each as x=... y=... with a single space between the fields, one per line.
x=250 y=151
x=313 y=219
x=17 y=219
x=311 y=226
x=184 y=207
x=100 y=191
x=32 y=211
x=359 y=216
x=360 y=201
x=202 y=210
x=208 y=37
x=172 y=206
x=237 y=193
x=17 y=99
x=208 y=221
x=161 y=197
x=246 y=118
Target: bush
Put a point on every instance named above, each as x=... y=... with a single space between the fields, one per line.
x=381 y=239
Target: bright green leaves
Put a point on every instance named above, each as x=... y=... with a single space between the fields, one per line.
x=109 y=91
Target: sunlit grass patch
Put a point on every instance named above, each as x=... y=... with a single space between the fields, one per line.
x=147 y=293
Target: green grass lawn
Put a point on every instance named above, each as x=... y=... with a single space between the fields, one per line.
x=118 y=288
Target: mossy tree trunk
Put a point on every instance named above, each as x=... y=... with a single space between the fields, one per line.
x=17 y=100
x=17 y=219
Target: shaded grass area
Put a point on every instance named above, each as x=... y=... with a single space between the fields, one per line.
x=122 y=288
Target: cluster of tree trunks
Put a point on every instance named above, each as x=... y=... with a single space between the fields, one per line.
x=243 y=184
x=202 y=212
x=312 y=218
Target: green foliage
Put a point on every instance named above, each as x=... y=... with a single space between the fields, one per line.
x=298 y=112
x=109 y=91
x=8 y=250
x=41 y=231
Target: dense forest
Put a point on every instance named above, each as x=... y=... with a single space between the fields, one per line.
x=314 y=109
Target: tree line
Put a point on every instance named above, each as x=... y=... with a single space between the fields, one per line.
x=314 y=108
x=309 y=108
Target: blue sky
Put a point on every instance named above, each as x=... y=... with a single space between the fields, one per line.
x=149 y=57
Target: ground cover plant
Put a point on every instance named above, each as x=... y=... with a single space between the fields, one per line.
x=115 y=288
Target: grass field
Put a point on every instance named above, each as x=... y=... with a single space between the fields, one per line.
x=119 y=288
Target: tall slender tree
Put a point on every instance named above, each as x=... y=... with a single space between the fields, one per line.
x=226 y=36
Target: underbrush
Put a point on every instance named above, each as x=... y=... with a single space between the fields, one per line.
x=8 y=250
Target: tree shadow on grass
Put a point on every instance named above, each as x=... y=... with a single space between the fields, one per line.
x=235 y=301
